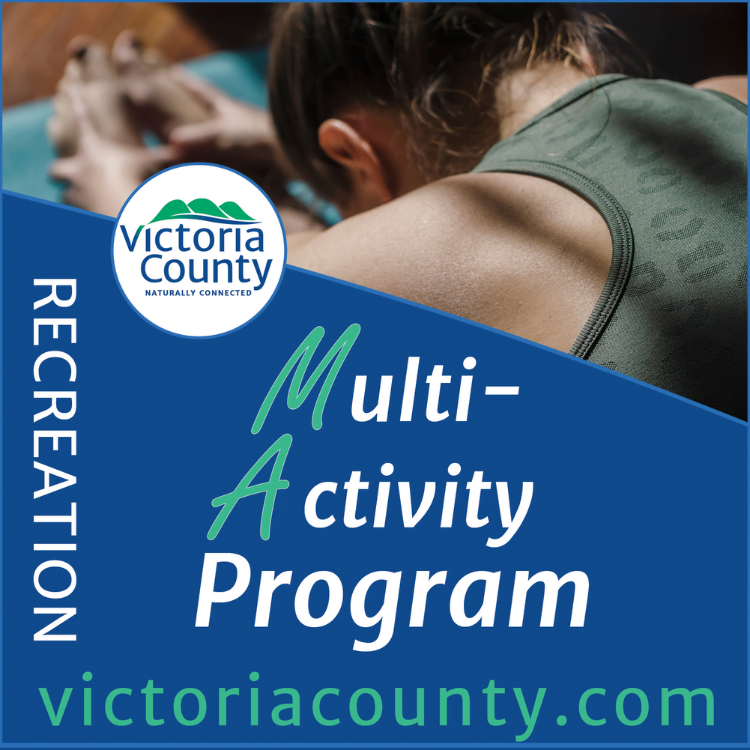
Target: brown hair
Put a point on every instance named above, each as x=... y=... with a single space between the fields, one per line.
x=438 y=63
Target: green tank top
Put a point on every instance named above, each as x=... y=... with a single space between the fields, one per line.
x=665 y=165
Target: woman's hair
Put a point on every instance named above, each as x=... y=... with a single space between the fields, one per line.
x=437 y=63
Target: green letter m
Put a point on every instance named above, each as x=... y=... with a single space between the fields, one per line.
x=687 y=697
x=297 y=392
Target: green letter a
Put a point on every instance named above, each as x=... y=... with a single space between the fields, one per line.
x=244 y=488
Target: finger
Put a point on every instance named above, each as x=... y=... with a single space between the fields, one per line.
x=71 y=74
x=82 y=115
x=62 y=133
x=194 y=134
x=154 y=58
x=64 y=170
x=127 y=51
x=126 y=43
x=139 y=90
x=79 y=43
x=90 y=58
x=210 y=95
x=161 y=156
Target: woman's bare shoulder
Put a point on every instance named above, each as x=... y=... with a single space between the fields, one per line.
x=388 y=247
x=735 y=86
x=430 y=218
x=505 y=250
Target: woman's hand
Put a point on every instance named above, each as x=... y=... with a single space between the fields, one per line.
x=236 y=135
x=232 y=125
x=103 y=173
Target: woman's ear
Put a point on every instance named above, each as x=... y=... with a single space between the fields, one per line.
x=366 y=172
x=587 y=61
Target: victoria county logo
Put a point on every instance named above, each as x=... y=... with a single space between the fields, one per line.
x=199 y=250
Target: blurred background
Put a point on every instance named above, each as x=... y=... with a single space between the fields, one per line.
x=35 y=35
x=683 y=41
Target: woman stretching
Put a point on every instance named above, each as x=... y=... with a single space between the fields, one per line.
x=489 y=165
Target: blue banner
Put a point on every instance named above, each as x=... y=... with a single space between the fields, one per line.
x=353 y=520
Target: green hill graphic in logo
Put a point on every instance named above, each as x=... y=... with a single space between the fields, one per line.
x=204 y=210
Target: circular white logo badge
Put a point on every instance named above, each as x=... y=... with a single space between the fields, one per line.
x=199 y=250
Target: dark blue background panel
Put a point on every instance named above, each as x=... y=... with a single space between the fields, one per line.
x=642 y=491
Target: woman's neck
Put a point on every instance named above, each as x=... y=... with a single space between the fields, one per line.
x=524 y=93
